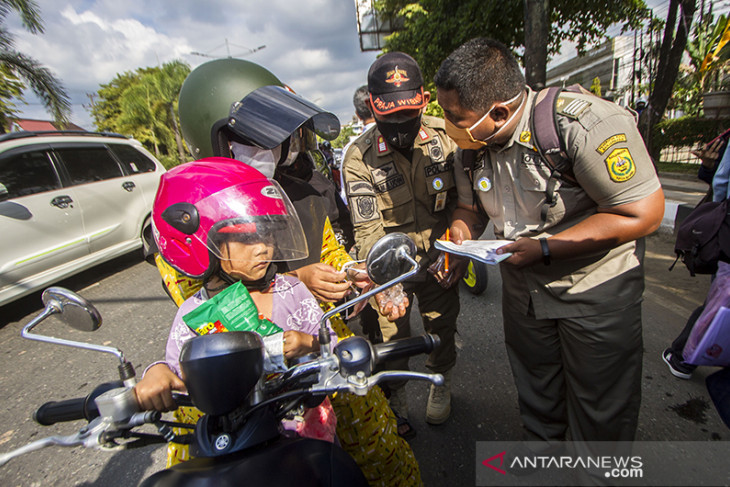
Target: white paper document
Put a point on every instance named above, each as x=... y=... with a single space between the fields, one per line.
x=481 y=250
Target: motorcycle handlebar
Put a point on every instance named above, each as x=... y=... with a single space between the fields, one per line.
x=73 y=409
x=405 y=348
x=56 y=412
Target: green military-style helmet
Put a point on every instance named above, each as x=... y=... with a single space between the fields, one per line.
x=206 y=97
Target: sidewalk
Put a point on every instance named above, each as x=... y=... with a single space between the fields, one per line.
x=682 y=192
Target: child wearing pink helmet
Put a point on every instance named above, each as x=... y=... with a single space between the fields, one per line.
x=225 y=223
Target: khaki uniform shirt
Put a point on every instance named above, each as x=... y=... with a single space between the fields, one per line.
x=611 y=166
x=389 y=193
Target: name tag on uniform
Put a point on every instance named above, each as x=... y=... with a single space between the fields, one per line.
x=440 y=201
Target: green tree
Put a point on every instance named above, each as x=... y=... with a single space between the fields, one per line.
x=432 y=29
x=706 y=67
x=672 y=47
x=344 y=138
x=143 y=104
x=18 y=69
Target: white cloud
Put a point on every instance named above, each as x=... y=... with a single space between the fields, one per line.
x=313 y=46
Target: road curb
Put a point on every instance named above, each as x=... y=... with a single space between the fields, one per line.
x=674 y=214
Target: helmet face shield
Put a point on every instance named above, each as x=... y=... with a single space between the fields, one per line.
x=269 y=115
x=254 y=214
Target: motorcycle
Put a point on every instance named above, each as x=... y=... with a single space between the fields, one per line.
x=238 y=438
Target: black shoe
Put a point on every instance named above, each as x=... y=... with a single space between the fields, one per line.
x=677 y=367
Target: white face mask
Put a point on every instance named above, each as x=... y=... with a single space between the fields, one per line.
x=295 y=147
x=290 y=158
x=263 y=160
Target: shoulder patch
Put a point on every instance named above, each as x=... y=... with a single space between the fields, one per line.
x=436 y=150
x=382 y=146
x=355 y=188
x=571 y=107
x=422 y=134
x=606 y=144
x=620 y=165
x=364 y=209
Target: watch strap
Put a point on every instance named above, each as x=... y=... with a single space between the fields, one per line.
x=545 y=250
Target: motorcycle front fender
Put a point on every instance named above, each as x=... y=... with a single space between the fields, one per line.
x=299 y=462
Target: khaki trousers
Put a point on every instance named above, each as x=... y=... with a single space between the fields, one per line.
x=577 y=378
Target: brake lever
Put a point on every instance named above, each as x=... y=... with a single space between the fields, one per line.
x=359 y=383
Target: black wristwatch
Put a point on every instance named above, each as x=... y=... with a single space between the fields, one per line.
x=545 y=251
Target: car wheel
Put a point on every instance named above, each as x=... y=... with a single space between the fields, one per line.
x=476 y=278
x=147 y=241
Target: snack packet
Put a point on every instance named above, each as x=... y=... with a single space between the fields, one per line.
x=230 y=310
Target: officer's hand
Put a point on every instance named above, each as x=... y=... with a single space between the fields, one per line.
x=525 y=252
x=448 y=277
x=390 y=310
x=154 y=391
x=456 y=235
x=324 y=282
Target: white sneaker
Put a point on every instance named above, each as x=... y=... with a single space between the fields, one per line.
x=438 y=408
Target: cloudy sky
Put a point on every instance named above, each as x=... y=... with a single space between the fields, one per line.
x=311 y=45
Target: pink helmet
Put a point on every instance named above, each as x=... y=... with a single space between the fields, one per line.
x=201 y=204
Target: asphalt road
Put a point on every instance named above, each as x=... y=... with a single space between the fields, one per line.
x=137 y=315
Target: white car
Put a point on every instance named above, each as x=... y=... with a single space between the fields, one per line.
x=69 y=201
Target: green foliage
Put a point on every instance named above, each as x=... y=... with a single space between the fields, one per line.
x=596 y=86
x=344 y=137
x=693 y=81
x=11 y=88
x=170 y=160
x=143 y=105
x=677 y=167
x=434 y=109
x=18 y=70
x=432 y=29
x=687 y=131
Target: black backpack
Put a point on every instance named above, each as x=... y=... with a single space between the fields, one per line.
x=703 y=238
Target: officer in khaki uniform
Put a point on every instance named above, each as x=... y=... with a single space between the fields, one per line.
x=399 y=178
x=572 y=289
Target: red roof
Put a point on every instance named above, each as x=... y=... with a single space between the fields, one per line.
x=29 y=125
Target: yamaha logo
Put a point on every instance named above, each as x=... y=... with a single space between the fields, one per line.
x=222 y=442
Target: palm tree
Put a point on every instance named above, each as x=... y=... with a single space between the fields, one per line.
x=25 y=68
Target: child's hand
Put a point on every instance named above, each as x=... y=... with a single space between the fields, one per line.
x=324 y=282
x=154 y=391
x=297 y=344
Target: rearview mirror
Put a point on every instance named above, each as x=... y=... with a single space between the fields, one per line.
x=386 y=259
x=74 y=310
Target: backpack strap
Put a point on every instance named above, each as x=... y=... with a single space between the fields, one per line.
x=549 y=145
x=468 y=161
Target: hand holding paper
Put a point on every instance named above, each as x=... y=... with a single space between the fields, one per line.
x=481 y=250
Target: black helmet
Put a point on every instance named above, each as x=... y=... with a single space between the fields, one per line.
x=269 y=115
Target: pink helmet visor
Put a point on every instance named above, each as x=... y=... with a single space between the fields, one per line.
x=252 y=212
